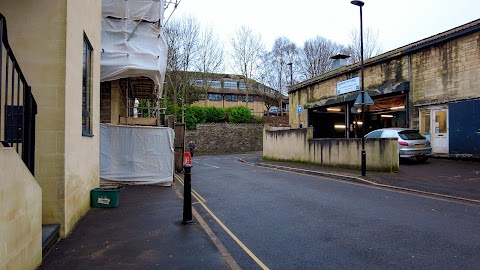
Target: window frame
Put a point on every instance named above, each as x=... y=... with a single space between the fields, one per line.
x=210 y=97
x=87 y=56
x=250 y=98
x=231 y=98
x=215 y=84
x=230 y=84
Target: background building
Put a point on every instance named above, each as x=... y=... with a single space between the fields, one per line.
x=432 y=85
x=226 y=90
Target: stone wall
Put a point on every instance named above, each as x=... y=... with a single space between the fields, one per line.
x=226 y=138
x=447 y=71
x=20 y=214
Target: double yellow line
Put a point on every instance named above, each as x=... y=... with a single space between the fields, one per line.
x=202 y=201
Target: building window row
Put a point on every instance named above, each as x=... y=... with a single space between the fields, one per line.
x=231 y=85
x=232 y=98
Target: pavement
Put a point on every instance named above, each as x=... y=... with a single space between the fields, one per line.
x=146 y=232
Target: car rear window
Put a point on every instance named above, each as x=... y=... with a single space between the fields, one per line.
x=411 y=135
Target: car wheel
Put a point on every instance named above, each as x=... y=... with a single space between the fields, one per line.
x=422 y=159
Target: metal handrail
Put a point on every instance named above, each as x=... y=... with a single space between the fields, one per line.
x=18 y=107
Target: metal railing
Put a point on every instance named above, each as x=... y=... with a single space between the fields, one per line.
x=17 y=104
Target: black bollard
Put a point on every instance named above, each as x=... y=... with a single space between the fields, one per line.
x=187 y=194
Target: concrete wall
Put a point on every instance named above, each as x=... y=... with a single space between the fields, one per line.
x=226 y=138
x=47 y=39
x=298 y=145
x=20 y=214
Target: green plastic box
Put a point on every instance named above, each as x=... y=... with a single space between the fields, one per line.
x=104 y=197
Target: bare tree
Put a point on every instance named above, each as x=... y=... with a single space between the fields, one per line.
x=182 y=39
x=315 y=56
x=210 y=58
x=283 y=52
x=247 y=50
x=371 y=44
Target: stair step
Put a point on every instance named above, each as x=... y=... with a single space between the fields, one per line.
x=50 y=235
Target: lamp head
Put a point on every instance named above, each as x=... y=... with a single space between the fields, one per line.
x=357 y=3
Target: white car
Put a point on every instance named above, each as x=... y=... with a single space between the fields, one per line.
x=274 y=111
x=411 y=144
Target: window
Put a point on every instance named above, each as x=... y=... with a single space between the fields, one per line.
x=389 y=134
x=231 y=97
x=201 y=96
x=87 y=87
x=198 y=82
x=230 y=84
x=215 y=84
x=410 y=135
x=242 y=85
x=215 y=97
x=374 y=134
x=425 y=122
x=250 y=98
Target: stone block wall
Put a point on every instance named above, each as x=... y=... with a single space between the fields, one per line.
x=447 y=71
x=20 y=214
x=226 y=138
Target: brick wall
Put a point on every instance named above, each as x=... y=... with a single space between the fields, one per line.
x=226 y=138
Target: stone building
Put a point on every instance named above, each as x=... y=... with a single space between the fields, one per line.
x=54 y=51
x=432 y=85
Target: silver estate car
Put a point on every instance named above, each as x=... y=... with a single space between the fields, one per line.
x=411 y=144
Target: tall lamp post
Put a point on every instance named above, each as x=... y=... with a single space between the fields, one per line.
x=364 y=155
x=291 y=73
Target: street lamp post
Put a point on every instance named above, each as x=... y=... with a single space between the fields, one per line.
x=364 y=155
x=291 y=73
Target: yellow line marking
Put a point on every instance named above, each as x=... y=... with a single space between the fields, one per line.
x=250 y=253
x=193 y=191
x=240 y=243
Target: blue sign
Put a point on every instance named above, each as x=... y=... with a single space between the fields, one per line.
x=347 y=86
x=299 y=109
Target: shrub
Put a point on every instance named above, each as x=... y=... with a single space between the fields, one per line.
x=240 y=114
x=190 y=119
x=214 y=114
x=173 y=110
x=199 y=113
x=258 y=119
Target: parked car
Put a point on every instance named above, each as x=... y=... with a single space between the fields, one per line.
x=274 y=111
x=411 y=144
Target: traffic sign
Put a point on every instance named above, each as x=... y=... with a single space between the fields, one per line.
x=367 y=100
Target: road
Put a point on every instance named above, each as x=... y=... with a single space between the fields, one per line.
x=283 y=220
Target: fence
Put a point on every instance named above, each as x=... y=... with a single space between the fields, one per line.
x=17 y=104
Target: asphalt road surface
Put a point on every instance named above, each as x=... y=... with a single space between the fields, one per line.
x=281 y=220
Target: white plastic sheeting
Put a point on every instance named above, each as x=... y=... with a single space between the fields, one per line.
x=147 y=10
x=132 y=45
x=136 y=154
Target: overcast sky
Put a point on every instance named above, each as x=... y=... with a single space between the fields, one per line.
x=399 y=22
